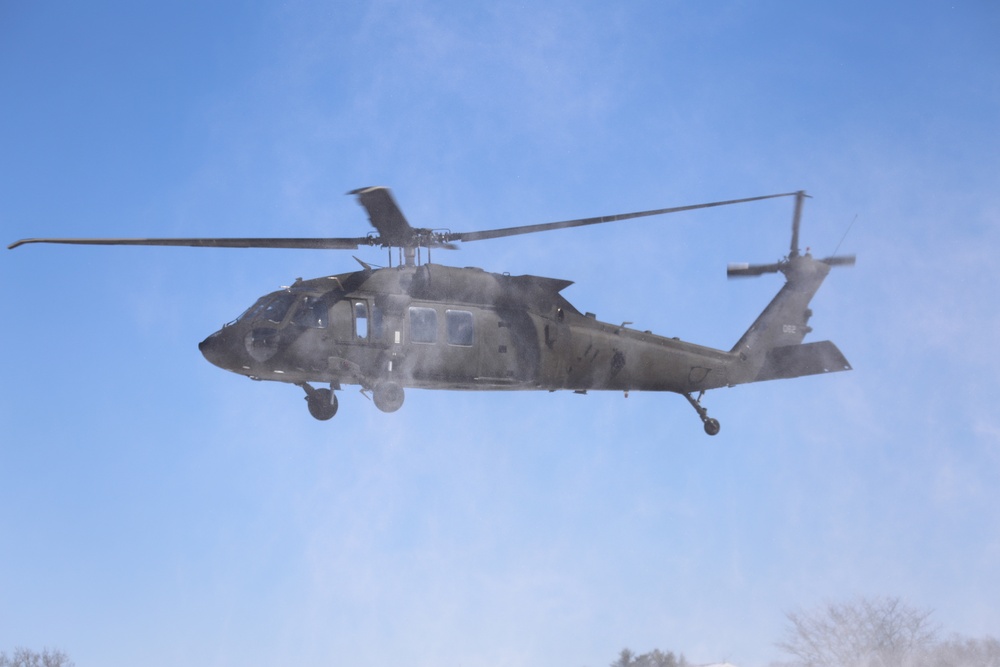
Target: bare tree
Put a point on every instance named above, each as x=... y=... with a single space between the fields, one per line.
x=624 y=659
x=655 y=658
x=964 y=652
x=22 y=657
x=865 y=632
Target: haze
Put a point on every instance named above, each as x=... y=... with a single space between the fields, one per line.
x=155 y=510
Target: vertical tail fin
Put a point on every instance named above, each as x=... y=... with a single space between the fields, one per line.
x=772 y=347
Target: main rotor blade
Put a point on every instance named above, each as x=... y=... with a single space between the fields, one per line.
x=544 y=227
x=305 y=244
x=385 y=215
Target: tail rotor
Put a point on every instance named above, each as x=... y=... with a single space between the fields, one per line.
x=744 y=270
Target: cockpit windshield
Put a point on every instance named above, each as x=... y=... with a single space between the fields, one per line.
x=307 y=310
x=252 y=310
x=272 y=307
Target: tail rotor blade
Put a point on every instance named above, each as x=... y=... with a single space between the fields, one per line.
x=796 y=219
x=794 y=258
x=840 y=260
x=744 y=270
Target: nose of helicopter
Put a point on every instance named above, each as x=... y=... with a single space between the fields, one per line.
x=215 y=349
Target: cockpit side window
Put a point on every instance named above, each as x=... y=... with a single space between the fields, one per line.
x=312 y=312
x=277 y=308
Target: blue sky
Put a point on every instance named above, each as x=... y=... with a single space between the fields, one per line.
x=157 y=510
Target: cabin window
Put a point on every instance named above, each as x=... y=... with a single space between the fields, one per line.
x=312 y=313
x=423 y=325
x=360 y=319
x=460 y=327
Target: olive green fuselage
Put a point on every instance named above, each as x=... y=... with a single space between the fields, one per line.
x=440 y=327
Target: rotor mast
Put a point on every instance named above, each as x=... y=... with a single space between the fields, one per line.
x=409 y=254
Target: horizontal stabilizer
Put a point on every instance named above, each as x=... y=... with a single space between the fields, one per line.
x=792 y=361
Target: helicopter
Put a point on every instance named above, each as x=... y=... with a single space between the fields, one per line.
x=423 y=325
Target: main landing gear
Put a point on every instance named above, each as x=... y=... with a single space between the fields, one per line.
x=322 y=403
x=711 y=425
x=388 y=396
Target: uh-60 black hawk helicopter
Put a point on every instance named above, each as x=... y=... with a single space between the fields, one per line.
x=425 y=325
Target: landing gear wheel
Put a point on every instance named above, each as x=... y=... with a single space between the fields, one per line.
x=322 y=404
x=711 y=425
x=388 y=396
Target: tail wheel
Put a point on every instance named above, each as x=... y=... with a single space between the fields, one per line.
x=711 y=425
x=322 y=404
x=388 y=396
